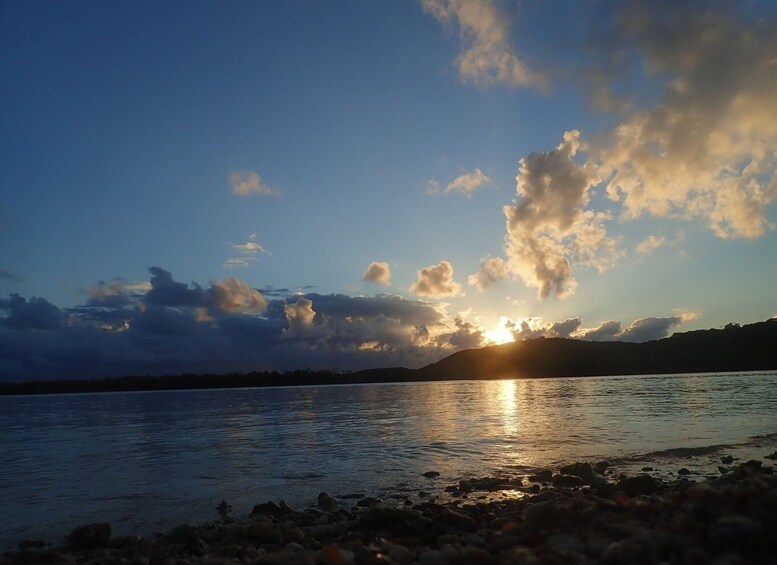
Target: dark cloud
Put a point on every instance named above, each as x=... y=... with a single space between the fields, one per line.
x=466 y=336
x=35 y=314
x=9 y=276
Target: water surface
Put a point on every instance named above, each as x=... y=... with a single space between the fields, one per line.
x=151 y=460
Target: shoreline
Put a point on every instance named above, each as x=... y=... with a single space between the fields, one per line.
x=577 y=513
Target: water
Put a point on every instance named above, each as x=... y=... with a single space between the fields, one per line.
x=149 y=461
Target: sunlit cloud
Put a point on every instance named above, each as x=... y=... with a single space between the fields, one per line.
x=487 y=58
x=492 y=270
x=549 y=229
x=468 y=183
x=248 y=253
x=245 y=183
x=708 y=149
x=436 y=281
x=378 y=272
x=650 y=243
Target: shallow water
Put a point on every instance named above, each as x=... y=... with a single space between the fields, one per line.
x=149 y=461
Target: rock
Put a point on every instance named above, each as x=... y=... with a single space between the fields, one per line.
x=30 y=544
x=567 y=481
x=90 y=536
x=727 y=460
x=582 y=470
x=326 y=502
x=267 y=509
x=601 y=467
x=457 y=520
x=541 y=476
x=224 y=509
x=646 y=469
x=772 y=456
x=683 y=471
x=753 y=464
x=286 y=509
x=367 y=502
x=431 y=474
x=722 y=470
x=395 y=519
x=639 y=485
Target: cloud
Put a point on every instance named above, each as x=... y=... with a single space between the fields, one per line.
x=651 y=243
x=492 y=270
x=378 y=272
x=222 y=296
x=708 y=149
x=605 y=332
x=468 y=183
x=248 y=253
x=300 y=316
x=466 y=335
x=9 y=276
x=648 y=329
x=436 y=281
x=245 y=183
x=488 y=58
x=549 y=229
x=35 y=314
x=533 y=329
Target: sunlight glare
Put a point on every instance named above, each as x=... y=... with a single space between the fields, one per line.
x=501 y=334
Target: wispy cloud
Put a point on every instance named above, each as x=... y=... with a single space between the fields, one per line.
x=245 y=183
x=9 y=276
x=248 y=252
x=650 y=243
x=487 y=58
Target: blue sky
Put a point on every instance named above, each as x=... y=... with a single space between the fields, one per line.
x=248 y=147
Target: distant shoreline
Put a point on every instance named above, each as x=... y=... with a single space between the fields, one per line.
x=732 y=349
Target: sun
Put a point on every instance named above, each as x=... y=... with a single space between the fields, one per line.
x=501 y=334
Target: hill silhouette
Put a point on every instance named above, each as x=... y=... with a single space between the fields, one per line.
x=751 y=347
x=734 y=348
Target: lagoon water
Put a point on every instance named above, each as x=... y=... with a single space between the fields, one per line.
x=151 y=460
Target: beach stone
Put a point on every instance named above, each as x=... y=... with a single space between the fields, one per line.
x=522 y=556
x=772 y=456
x=266 y=509
x=541 y=476
x=390 y=518
x=326 y=502
x=567 y=481
x=647 y=469
x=722 y=470
x=753 y=464
x=431 y=474
x=582 y=470
x=683 y=471
x=286 y=509
x=457 y=520
x=368 y=501
x=90 y=536
x=727 y=460
x=601 y=467
x=637 y=486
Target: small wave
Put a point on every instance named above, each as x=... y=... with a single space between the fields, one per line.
x=301 y=477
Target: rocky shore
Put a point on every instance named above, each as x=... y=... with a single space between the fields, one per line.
x=580 y=513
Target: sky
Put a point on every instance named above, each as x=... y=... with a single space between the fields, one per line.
x=239 y=186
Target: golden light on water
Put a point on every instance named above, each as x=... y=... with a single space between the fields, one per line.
x=501 y=334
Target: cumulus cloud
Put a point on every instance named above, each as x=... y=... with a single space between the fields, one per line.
x=650 y=243
x=533 y=328
x=549 y=229
x=466 y=335
x=492 y=270
x=378 y=272
x=488 y=58
x=248 y=252
x=300 y=315
x=436 y=281
x=648 y=329
x=468 y=183
x=605 y=332
x=245 y=183
x=708 y=149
